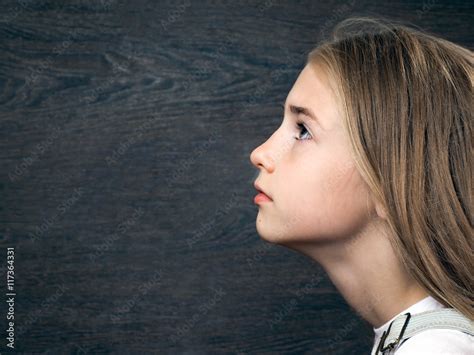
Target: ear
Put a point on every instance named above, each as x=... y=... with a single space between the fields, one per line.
x=375 y=207
x=380 y=211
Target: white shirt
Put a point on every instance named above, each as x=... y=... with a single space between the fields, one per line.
x=431 y=341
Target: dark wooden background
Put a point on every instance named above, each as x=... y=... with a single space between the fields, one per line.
x=126 y=185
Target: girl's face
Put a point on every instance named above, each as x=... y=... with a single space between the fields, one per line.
x=307 y=169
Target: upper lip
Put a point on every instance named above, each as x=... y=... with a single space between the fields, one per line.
x=257 y=186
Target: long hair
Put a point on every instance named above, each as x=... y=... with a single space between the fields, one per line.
x=405 y=96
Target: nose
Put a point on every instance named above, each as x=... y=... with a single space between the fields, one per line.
x=261 y=157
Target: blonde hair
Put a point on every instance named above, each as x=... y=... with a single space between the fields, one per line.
x=406 y=100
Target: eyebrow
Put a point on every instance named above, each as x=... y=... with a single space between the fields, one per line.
x=305 y=111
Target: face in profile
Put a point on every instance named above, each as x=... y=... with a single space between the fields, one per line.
x=307 y=169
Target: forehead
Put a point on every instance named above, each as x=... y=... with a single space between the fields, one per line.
x=312 y=89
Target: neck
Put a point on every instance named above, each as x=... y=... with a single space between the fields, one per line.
x=367 y=273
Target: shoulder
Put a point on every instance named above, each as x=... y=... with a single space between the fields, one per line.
x=438 y=342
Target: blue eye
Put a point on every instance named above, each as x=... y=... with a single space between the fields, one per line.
x=302 y=129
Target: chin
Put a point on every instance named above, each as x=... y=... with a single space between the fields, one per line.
x=274 y=236
x=267 y=233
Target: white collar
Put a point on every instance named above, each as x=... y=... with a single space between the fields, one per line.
x=426 y=304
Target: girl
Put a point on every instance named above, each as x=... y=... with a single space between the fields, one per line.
x=370 y=175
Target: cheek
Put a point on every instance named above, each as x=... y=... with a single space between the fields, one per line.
x=346 y=198
x=304 y=192
x=328 y=195
x=321 y=180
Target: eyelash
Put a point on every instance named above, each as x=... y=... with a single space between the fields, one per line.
x=300 y=127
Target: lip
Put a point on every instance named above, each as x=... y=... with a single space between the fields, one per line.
x=262 y=196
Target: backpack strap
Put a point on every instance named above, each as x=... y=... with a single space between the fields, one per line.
x=407 y=325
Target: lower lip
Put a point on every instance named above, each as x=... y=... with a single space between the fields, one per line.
x=261 y=197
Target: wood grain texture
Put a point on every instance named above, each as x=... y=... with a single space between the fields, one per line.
x=126 y=185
